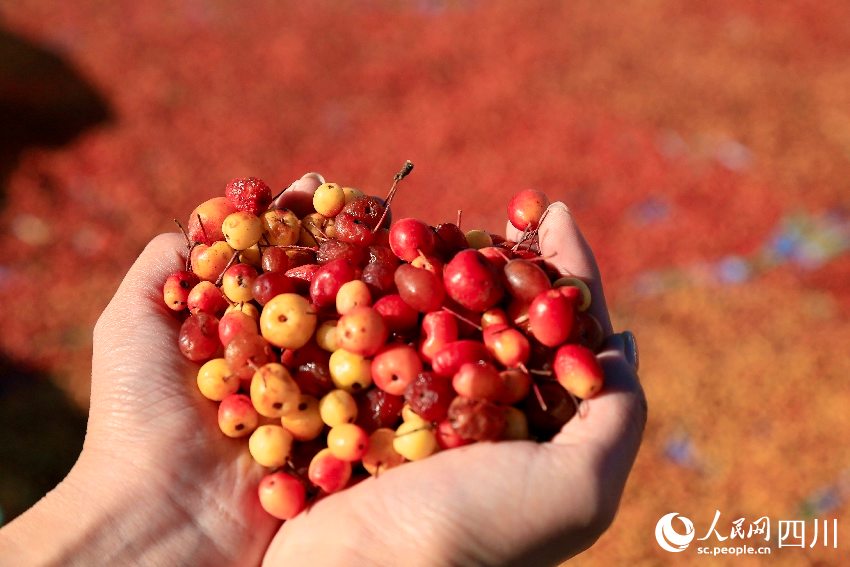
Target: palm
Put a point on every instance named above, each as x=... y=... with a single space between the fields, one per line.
x=147 y=409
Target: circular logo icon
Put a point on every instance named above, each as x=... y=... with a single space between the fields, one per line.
x=670 y=539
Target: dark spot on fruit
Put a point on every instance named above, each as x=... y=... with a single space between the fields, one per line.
x=282 y=318
x=239 y=427
x=302 y=406
x=277 y=405
x=184 y=284
x=356 y=387
x=394 y=377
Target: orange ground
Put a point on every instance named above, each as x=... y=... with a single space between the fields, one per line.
x=697 y=146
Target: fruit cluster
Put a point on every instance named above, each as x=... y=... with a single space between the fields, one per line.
x=334 y=343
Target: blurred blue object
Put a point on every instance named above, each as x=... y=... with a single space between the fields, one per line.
x=679 y=449
x=733 y=270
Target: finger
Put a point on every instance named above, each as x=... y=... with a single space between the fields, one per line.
x=609 y=427
x=298 y=197
x=138 y=310
x=564 y=247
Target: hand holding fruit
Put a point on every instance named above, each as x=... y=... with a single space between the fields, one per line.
x=154 y=436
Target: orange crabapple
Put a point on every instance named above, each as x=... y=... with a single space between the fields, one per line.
x=348 y=442
x=237 y=416
x=381 y=456
x=361 y=331
x=282 y=495
x=394 y=367
x=578 y=370
x=206 y=297
x=237 y=282
x=584 y=302
x=508 y=346
x=205 y=222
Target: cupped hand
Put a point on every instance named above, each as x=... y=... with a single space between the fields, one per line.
x=502 y=503
x=152 y=432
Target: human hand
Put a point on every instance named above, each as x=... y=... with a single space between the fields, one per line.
x=504 y=503
x=156 y=483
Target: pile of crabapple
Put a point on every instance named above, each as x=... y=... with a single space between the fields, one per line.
x=341 y=347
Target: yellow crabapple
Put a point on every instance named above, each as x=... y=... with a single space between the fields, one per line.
x=270 y=445
x=273 y=391
x=575 y=282
x=351 y=193
x=280 y=227
x=350 y=372
x=216 y=381
x=304 y=421
x=415 y=441
x=381 y=455
x=352 y=294
x=326 y=335
x=479 y=239
x=337 y=407
x=329 y=199
x=288 y=321
x=242 y=230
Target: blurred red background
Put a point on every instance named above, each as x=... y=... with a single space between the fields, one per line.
x=703 y=148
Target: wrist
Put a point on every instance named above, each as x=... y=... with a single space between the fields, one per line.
x=108 y=516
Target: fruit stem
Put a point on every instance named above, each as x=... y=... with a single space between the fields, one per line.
x=459 y=215
x=186 y=236
x=408 y=167
x=427 y=426
x=539 y=396
x=462 y=318
x=230 y=263
x=204 y=230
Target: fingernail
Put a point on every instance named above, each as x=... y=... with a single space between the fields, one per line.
x=559 y=205
x=630 y=349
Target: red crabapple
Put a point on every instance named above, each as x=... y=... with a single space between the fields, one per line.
x=328 y=472
x=578 y=370
x=526 y=209
x=473 y=281
x=177 y=288
x=248 y=194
